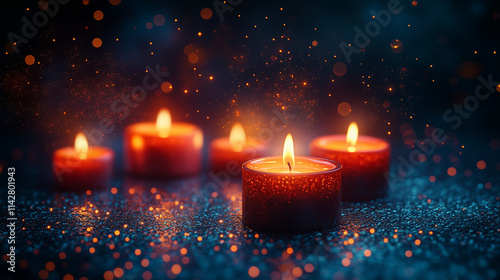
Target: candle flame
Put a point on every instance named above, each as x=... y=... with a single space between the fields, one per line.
x=352 y=137
x=163 y=123
x=288 y=154
x=81 y=146
x=237 y=137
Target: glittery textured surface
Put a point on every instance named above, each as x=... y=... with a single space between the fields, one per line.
x=154 y=229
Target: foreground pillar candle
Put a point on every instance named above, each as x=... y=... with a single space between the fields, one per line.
x=229 y=153
x=82 y=167
x=163 y=149
x=288 y=194
x=365 y=161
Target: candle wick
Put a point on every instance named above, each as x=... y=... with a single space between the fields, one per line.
x=289 y=166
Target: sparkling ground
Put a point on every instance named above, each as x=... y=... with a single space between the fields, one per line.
x=189 y=229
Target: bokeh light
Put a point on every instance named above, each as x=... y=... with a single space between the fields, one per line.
x=97 y=42
x=481 y=164
x=166 y=87
x=29 y=59
x=253 y=271
x=344 y=109
x=339 y=69
x=159 y=20
x=206 y=13
x=98 y=15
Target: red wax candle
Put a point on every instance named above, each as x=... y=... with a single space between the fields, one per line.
x=83 y=167
x=365 y=161
x=228 y=154
x=163 y=149
x=288 y=194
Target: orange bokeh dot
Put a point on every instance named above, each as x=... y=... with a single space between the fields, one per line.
x=498 y=87
x=85 y=2
x=97 y=42
x=108 y=275
x=68 y=277
x=114 y=190
x=432 y=179
x=29 y=59
x=43 y=274
x=149 y=25
x=253 y=271
x=452 y=171
x=166 y=87
x=145 y=262
x=417 y=242
x=339 y=69
x=481 y=164
x=115 y=2
x=346 y=262
x=414 y=3
x=118 y=272
x=176 y=269
x=368 y=253
x=206 y=13
x=408 y=253
x=314 y=43
x=309 y=268
x=147 y=275
x=344 y=109
x=98 y=15
x=50 y=266
x=159 y=20
x=193 y=58
x=297 y=272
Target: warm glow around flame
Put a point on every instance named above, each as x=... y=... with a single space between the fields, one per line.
x=352 y=137
x=163 y=123
x=237 y=137
x=288 y=154
x=81 y=146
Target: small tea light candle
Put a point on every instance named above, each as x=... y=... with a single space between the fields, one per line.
x=288 y=194
x=82 y=167
x=365 y=161
x=228 y=154
x=163 y=149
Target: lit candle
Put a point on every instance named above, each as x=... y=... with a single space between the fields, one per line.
x=365 y=161
x=228 y=154
x=163 y=149
x=82 y=167
x=291 y=194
